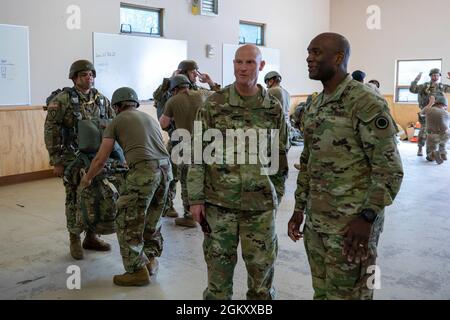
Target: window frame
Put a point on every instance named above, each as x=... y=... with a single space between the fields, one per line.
x=403 y=87
x=208 y=13
x=159 y=11
x=262 y=26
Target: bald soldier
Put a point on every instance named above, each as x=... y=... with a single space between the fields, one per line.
x=238 y=201
x=350 y=170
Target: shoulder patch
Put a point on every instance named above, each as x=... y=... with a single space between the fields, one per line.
x=382 y=122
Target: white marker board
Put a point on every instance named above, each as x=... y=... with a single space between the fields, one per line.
x=14 y=65
x=135 y=61
x=270 y=55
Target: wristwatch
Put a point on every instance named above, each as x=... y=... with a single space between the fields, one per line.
x=368 y=214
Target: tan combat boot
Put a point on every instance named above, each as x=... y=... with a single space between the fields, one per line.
x=297 y=166
x=135 y=279
x=443 y=156
x=186 y=221
x=75 y=246
x=152 y=266
x=92 y=242
x=171 y=213
x=437 y=157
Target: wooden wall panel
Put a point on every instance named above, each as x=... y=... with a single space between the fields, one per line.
x=22 y=142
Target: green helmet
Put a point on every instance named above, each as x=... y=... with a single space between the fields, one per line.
x=81 y=65
x=435 y=70
x=124 y=94
x=187 y=65
x=270 y=75
x=179 y=80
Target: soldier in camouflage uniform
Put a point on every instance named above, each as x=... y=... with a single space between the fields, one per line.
x=182 y=108
x=143 y=196
x=437 y=128
x=238 y=200
x=65 y=110
x=162 y=94
x=350 y=170
x=424 y=91
x=273 y=82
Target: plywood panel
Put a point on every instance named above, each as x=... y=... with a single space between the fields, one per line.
x=22 y=142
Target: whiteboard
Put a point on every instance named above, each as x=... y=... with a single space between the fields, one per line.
x=134 y=61
x=14 y=65
x=271 y=56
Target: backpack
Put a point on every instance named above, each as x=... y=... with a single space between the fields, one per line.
x=97 y=207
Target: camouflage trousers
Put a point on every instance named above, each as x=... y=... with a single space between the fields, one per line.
x=182 y=172
x=140 y=205
x=333 y=277
x=256 y=230
x=422 y=133
x=172 y=193
x=71 y=181
x=437 y=141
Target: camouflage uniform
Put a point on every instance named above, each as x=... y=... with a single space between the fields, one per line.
x=143 y=196
x=285 y=98
x=437 y=130
x=161 y=96
x=61 y=140
x=424 y=92
x=350 y=162
x=240 y=200
x=183 y=108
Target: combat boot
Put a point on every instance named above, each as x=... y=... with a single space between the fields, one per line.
x=443 y=156
x=186 y=221
x=171 y=213
x=297 y=166
x=152 y=266
x=437 y=157
x=135 y=279
x=430 y=157
x=419 y=151
x=92 y=242
x=75 y=246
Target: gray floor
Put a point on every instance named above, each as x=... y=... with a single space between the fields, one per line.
x=414 y=251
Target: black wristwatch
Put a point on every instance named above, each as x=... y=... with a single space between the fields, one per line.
x=368 y=214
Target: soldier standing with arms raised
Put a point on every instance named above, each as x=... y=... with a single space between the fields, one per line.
x=424 y=91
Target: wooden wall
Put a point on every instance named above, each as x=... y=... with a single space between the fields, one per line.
x=23 y=152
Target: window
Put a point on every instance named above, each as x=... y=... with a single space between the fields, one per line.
x=210 y=7
x=250 y=32
x=407 y=71
x=140 y=20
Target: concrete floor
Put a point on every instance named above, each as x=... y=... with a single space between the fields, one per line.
x=414 y=250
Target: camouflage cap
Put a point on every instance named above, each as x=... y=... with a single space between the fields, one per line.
x=188 y=65
x=124 y=94
x=81 y=65
x=179 y=80
x=271 y=75
x=434 y=71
